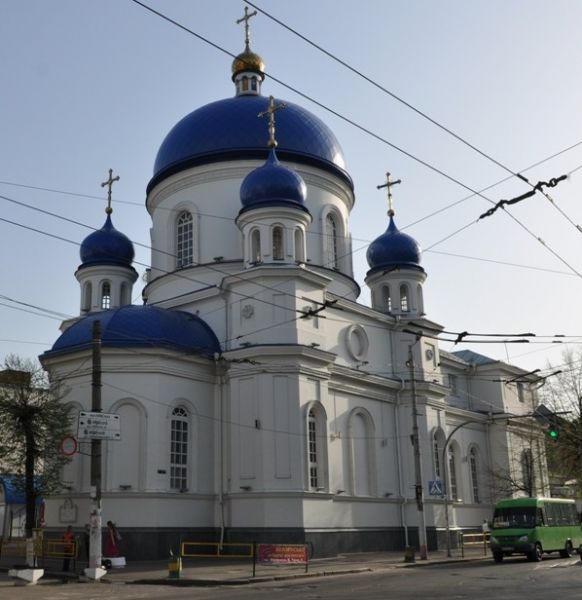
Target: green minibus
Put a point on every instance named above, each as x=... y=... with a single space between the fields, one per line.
x=533 y=526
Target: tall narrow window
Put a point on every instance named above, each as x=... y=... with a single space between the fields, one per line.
x=277 y=243
x=386 y=299
x=474 y=466
x=453 y=475
x=404 y=300
x=332 y=241
x=361 y=454
x=184 y=240
x=105 y=295
x=124 y=295
x=521 y=392
x=179 y=450
x=436 y=456
x=256 y=246
x=528 y=473
x=299 y=247
x=87 y=294
x=453 y=384
x=312 y=450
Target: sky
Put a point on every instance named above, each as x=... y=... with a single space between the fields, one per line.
x=93 y=85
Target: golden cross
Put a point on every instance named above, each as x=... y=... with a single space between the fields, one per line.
x=388 y=185
x=273 y=108
x=109 y=183
x=246 y=19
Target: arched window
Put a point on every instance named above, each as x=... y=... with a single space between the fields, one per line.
x=528 y=472
x=105 y=295
x=87 y=296
x=420 y=299
x=278 y=243
x=454 y=491
x=474 y=468
x=179 y=450
x=184 y=240
x=361 y=448
x=316 y=449
x=314 y=476
x=124 y=295
x=331 y=241
x=255 y=246
x=299 y=246
x=436 y=455
x=386 y=299
x=404 y=299
x=245 y=83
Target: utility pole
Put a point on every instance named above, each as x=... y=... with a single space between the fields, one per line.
x=95 y=570
x=418 y=487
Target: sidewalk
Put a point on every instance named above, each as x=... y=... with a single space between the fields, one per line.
x=215 y=572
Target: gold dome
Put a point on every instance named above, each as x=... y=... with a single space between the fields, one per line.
x=248 y=61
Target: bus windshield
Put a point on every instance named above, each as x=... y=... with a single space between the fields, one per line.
x=515 y=516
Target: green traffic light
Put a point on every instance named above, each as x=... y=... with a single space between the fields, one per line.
x=553 y=434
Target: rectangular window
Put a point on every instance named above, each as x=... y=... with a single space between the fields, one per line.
x=453 y=476
x=453 y=385
x=179 y=455
x=520 y=392
x=312 y=451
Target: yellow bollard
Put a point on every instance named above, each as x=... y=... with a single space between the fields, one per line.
x=175 y=567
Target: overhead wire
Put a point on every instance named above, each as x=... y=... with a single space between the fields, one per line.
x=365 y=130
x=419 y=112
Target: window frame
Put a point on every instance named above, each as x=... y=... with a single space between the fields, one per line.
x=179 y=455
x=184 y=239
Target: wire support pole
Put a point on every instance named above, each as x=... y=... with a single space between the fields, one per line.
x=418 y=487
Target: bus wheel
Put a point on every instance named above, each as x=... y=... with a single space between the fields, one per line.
x=567 y=551
x=498 y=557
x=537 y=554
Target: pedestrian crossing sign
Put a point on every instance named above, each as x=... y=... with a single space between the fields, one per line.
x=435 y=488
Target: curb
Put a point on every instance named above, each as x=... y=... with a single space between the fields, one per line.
x=244 y=580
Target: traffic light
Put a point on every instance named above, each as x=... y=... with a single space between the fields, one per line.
x=553 y=432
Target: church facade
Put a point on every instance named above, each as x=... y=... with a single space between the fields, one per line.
x=258 y=400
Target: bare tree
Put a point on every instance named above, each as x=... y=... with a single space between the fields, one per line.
x=562 y=394
x=33 y=422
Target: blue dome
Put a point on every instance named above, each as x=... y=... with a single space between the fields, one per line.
x=106 y=246
x=393 y=249
x=142 y=327
x=230 y=129
x=272 y=184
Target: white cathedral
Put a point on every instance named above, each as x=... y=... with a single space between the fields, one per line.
x=258 y=400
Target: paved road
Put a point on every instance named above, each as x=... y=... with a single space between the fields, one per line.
x=484 y=580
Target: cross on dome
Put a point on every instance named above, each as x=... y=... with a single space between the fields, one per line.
x=388 y=185
x=247 y=17
x=109 y=183
x=271 y=110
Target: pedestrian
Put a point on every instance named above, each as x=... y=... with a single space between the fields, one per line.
x=68 y=547
x=111 y=541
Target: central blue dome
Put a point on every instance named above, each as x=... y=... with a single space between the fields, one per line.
x=231 y=129
x=141 y=326
x=273 y=184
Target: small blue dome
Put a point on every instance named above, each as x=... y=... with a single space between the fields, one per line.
x=106 y=246
x=142 y=327
x=393 y=249
x=230 y=129
x=272 y=184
